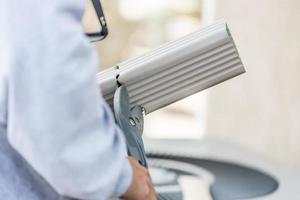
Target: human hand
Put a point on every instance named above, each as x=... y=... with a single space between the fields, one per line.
x=141 y=187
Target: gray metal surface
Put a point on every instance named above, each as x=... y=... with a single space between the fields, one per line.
x=232 y=181
x=223 y=158
x=131 y=121
x=172 y=196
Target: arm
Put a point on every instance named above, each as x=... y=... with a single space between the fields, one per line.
x=57 y=120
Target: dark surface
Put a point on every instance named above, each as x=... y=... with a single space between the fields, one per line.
x=231 y=181
x=171 y=196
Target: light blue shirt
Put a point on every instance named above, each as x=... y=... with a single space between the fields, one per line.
x=50 y=105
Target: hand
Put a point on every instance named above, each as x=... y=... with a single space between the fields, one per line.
x=141 y=187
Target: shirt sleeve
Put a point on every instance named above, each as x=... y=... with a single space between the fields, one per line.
x=57 y=119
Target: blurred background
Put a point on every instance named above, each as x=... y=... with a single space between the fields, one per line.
x=259 y=110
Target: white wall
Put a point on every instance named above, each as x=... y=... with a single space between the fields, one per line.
x=261 y=109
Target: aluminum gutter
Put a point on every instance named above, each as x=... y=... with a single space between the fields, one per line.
x=176 y=69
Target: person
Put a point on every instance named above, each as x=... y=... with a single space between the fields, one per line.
x=51 y=111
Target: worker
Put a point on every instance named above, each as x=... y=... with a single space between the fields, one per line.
x=51 y=112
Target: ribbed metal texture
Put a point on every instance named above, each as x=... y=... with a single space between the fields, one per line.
x=171 y=196
x=177 y=69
